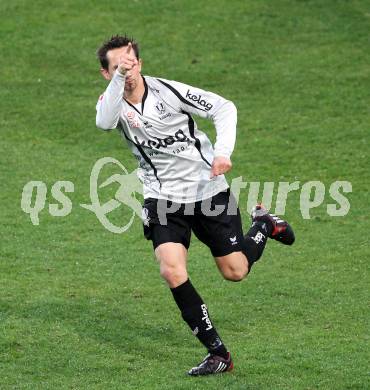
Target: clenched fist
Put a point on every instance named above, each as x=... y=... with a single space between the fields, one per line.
x=220 y=166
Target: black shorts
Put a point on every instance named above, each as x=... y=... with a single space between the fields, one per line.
x=166 y=221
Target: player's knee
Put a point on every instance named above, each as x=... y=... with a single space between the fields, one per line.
x=235 y=274
x=168 y=273
x=174 y=276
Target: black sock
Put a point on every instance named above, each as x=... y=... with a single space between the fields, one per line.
x=255 y=241
x=195 y=314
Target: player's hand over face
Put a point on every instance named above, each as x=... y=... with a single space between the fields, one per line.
x=220 y=166
x=128 y=60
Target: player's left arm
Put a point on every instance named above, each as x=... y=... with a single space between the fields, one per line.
x=221 y=111
x=224 y=117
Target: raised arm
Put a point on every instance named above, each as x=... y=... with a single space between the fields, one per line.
x=109 y=104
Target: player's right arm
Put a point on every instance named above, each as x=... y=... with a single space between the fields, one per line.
x=109 y=105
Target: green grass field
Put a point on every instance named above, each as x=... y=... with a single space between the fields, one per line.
x=83 y=308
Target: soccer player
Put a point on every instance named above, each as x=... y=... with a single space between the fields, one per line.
x=183 y=182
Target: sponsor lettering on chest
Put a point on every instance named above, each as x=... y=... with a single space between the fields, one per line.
x=158 y=143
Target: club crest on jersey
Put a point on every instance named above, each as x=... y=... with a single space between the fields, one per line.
x=198 y=99
x=160 y=108
x=132 y=120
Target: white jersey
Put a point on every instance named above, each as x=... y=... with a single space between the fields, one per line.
x=174 y=156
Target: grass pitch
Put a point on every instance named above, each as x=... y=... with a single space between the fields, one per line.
x=82 y=308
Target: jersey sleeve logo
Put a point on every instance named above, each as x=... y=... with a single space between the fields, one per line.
x=198 y=99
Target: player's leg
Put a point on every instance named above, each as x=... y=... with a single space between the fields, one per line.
x=234 y=266
x=172 y=260
x=170 y=243
x=172 y=263
x=235 y=253
x=222 y=232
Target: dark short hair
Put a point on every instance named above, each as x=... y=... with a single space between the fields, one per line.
x=115 y=42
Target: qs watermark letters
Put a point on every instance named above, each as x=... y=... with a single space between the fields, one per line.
x=312 y=194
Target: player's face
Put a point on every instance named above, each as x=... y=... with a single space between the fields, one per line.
x=132 y=76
